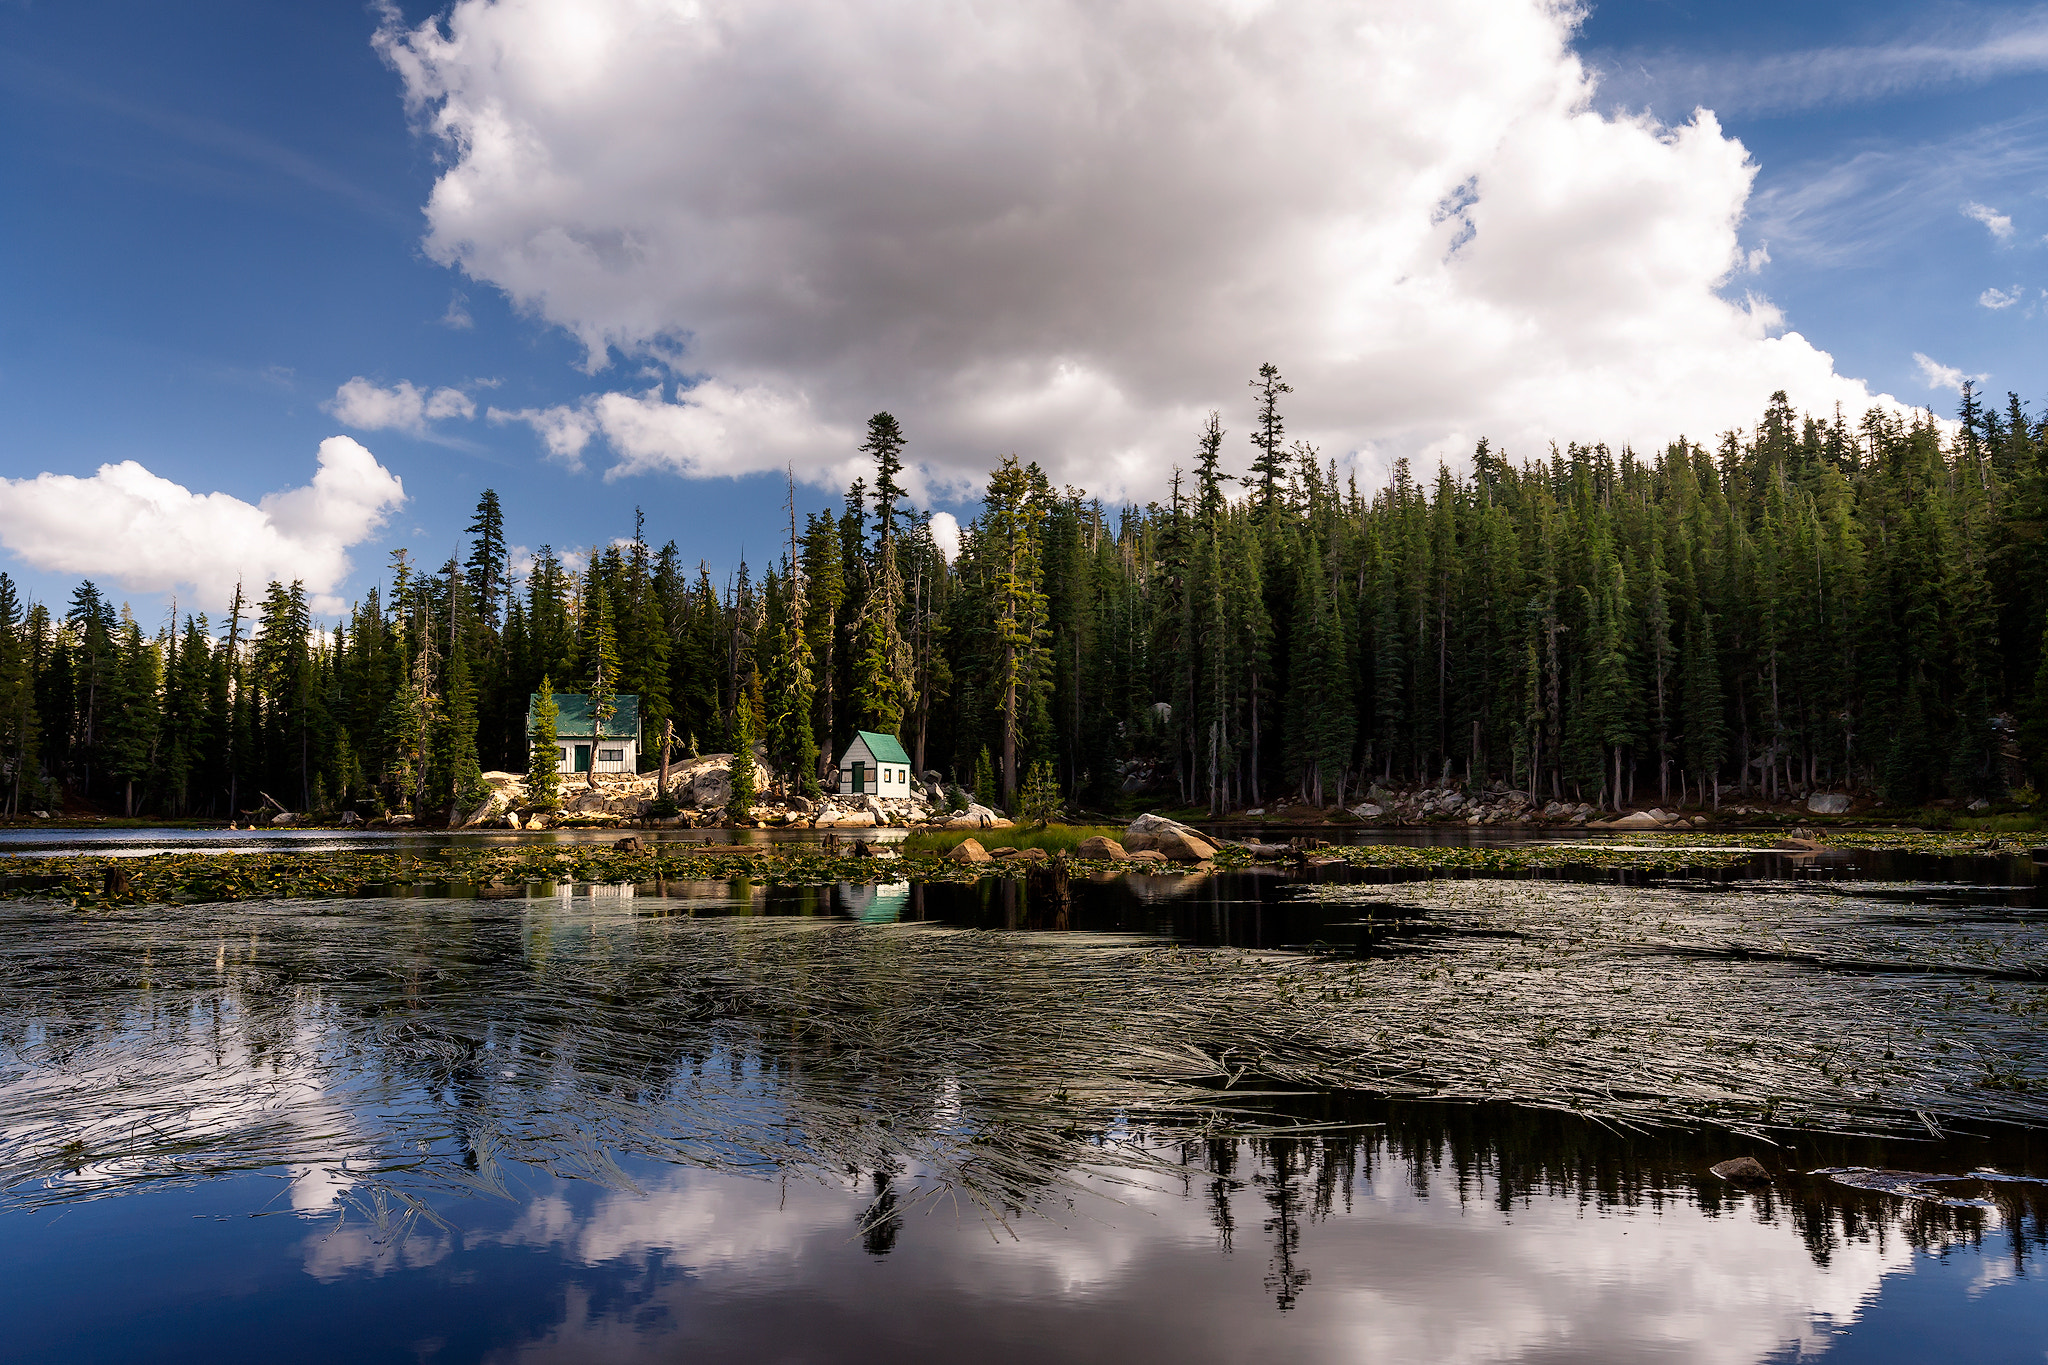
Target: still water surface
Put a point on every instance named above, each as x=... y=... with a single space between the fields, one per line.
x=724 y=1122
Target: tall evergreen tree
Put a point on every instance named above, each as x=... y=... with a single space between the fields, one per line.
x=20 y=725
x=1269 y=466
x=544 y=751
x=601 y=659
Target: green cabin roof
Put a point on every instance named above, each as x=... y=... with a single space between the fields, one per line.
x=574 y=721
x=885 y=748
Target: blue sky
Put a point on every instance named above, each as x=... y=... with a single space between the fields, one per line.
x=215 y=220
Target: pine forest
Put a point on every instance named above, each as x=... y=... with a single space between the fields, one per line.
x=1813 y=604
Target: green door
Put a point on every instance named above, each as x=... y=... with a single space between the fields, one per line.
x=860 y=778
x=583 y=758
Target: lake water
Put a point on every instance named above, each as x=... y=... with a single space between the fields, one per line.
x=1243 y=1117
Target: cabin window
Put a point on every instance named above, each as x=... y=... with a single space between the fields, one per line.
x=611 y=755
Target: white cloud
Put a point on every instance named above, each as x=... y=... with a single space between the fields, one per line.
x=712 y=428
x=2001 y=298
x=566 y=430
x=402 y=407
x=1997 y=224
x=1758 y=81
x=457 y=318
x=946 y=534
x=1940 y=376
x=1069 y=230
x=152 y=535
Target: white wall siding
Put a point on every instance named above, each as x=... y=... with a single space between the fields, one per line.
x=628 y=760
x=885 y=780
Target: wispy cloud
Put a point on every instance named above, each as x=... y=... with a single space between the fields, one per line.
x=1881 y=196
x=225 y=140
x=1999 y=225
x=1751 y=83
x=1945 y=377
x=1996 y=299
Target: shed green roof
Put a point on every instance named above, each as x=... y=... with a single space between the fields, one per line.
x=574 y=721
x=885 y=748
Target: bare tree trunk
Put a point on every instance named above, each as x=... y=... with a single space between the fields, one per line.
x=1010 y=725
x=668 y=739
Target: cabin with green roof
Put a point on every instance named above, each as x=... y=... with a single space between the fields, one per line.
x=617 y=750
x=874 y=765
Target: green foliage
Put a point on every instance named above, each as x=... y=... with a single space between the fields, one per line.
x=1007 y=557
x=544 y=751
x=741 y=803
x=601 y=660
x=1269 y=466
x=2034 y=723
x=466 y=788
x=20 y=725
x=1813 y=603
x=984 y=779
x=1039 y=803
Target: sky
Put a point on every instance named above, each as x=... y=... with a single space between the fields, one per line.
x=286 y=287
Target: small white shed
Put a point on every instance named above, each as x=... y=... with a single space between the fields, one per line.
x=874 y=765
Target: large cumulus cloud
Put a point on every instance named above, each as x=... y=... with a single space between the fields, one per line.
x=1069 y=228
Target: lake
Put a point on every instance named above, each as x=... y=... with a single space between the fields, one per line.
x=1246 y=1116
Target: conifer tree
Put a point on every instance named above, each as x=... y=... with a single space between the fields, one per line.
x=90 y=624
x=2033 y=735
x=464 y=774
x=133 y=713
x=643 y=635
x=601 y=658
x=1008 y=538
x=984 y=779
x=20 y=724
x=740 y=804
x=486 y=565
x=882 y=664
x=787 y=692
x=1269 y=466
x=544 y=750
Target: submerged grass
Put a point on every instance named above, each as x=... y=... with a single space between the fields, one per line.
x=83 y=880
x=1769 y=1005
x=1051 y=838
x=418 y=1045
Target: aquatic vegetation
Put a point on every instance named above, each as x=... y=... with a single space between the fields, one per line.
x=1051 y=838
x=436 y=1043
x=84 y=880
x=1757 y=1006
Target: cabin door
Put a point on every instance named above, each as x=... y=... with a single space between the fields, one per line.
x=583 y=758
x=860 y=778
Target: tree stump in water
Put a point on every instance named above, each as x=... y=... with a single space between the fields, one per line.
x=1050 y=882
x=115 y=882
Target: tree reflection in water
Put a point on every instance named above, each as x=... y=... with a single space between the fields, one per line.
x=667 y=1104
